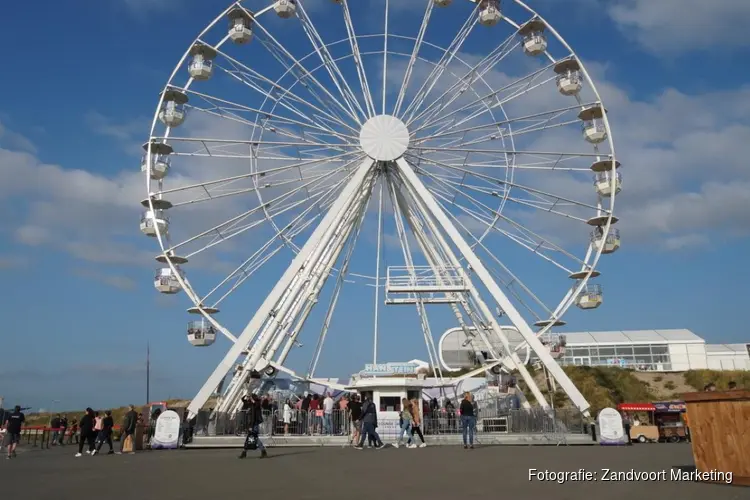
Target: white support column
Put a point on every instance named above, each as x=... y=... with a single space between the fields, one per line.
x=513 y=361
x=294 y=269
x=481 y=272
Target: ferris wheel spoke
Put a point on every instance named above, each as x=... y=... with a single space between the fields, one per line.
x=496 y=98
x=286 y=59
x=548 y=115
x=361 y=72
x=527 y=234
x=248 y=213
x=413 y=58
x=223 y=106
x=235 y=228
x=263 y=173
x=475 y=74
x=510 y=236
x=299 y=224
x=276 y=92
x=453 y=48
x=534 y=192
x=333 y=70
x=514 y=279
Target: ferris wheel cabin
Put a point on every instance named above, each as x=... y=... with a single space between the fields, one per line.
x=172 y=112
x=201 y=66
x=240 y=25
x=201 y=333
x=489 y=12
x=153 y=220
x=610 y=244
x=534 y=40
x=590 y=296
x=285 y=8
x=171 y=257
x=569 y=79
x=607 y=183
x=442 y=3
x=594 y=130
x=166 y=280
x=156 y=159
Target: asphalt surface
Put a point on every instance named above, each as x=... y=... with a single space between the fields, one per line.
x=342 y=473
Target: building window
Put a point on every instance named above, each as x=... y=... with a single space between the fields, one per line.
x=639 y=357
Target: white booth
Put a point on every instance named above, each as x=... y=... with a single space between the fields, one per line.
x=386 y=384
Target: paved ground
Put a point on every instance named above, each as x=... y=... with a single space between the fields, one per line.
x=334 y=473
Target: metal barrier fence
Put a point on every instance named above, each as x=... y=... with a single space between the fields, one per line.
x=438 y=422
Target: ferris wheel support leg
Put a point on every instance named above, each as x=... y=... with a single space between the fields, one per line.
x=263 y=313
x=444 y=248
x=484 y=276
x=316 y=269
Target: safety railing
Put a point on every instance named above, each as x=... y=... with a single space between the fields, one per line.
x=491 y=419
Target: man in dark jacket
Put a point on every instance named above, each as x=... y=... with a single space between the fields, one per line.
x=87 y=432
x=369 y=422
x=254 y=419
x=128 y=426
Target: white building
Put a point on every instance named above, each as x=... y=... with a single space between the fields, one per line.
x=648 y=350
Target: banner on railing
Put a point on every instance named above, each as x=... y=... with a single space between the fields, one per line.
x=167 y=432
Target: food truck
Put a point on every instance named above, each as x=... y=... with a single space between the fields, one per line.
x=643 y=430
x=668 y=416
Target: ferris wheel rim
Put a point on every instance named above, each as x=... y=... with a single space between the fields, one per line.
x=592 y=255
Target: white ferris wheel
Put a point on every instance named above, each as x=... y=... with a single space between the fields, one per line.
x=465 y=146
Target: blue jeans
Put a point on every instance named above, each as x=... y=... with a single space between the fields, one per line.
x=405 y=429
x=368 y=430
x=327 y=423
x=468 y=423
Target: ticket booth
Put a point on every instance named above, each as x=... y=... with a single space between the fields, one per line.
x=386 y=385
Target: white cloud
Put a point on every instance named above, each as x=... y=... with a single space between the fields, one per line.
x=665 y=27
x=115 y=281
x=13 y=261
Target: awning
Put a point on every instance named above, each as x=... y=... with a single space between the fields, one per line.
x=636 y=407
x=670 y=406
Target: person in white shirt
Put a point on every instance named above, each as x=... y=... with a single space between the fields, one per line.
x=328 y=414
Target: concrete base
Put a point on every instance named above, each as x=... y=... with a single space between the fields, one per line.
x=447 y=439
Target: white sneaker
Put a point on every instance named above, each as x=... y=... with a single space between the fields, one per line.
x=78 y=455
x=93 y=453
x=88 y=452
x=423 y=445
x=395 y=445
x=412 y=445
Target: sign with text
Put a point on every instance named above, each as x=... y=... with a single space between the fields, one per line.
x=390 y=369
x=611 y=430
x=167 y=432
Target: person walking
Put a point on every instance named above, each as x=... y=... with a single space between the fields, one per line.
x=63 y=429
x=254 y=419
x=105 y=434
x=355 y=412
x=54 y=425
x=128 y=427
x=369 y=424
x=87 y=432
x=406 y=423
x=468 y=420
x=13 y=425
x=417 y=421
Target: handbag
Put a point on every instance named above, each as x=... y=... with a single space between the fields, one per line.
x=251 y=442
x=127 y=446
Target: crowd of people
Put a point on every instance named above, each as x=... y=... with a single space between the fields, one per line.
x=363 y=419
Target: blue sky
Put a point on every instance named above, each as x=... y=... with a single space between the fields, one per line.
x=78 y=302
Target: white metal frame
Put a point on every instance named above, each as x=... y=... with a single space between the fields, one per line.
x=436 y=189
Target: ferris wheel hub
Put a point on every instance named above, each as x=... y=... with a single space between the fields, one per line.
x=384 y=138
